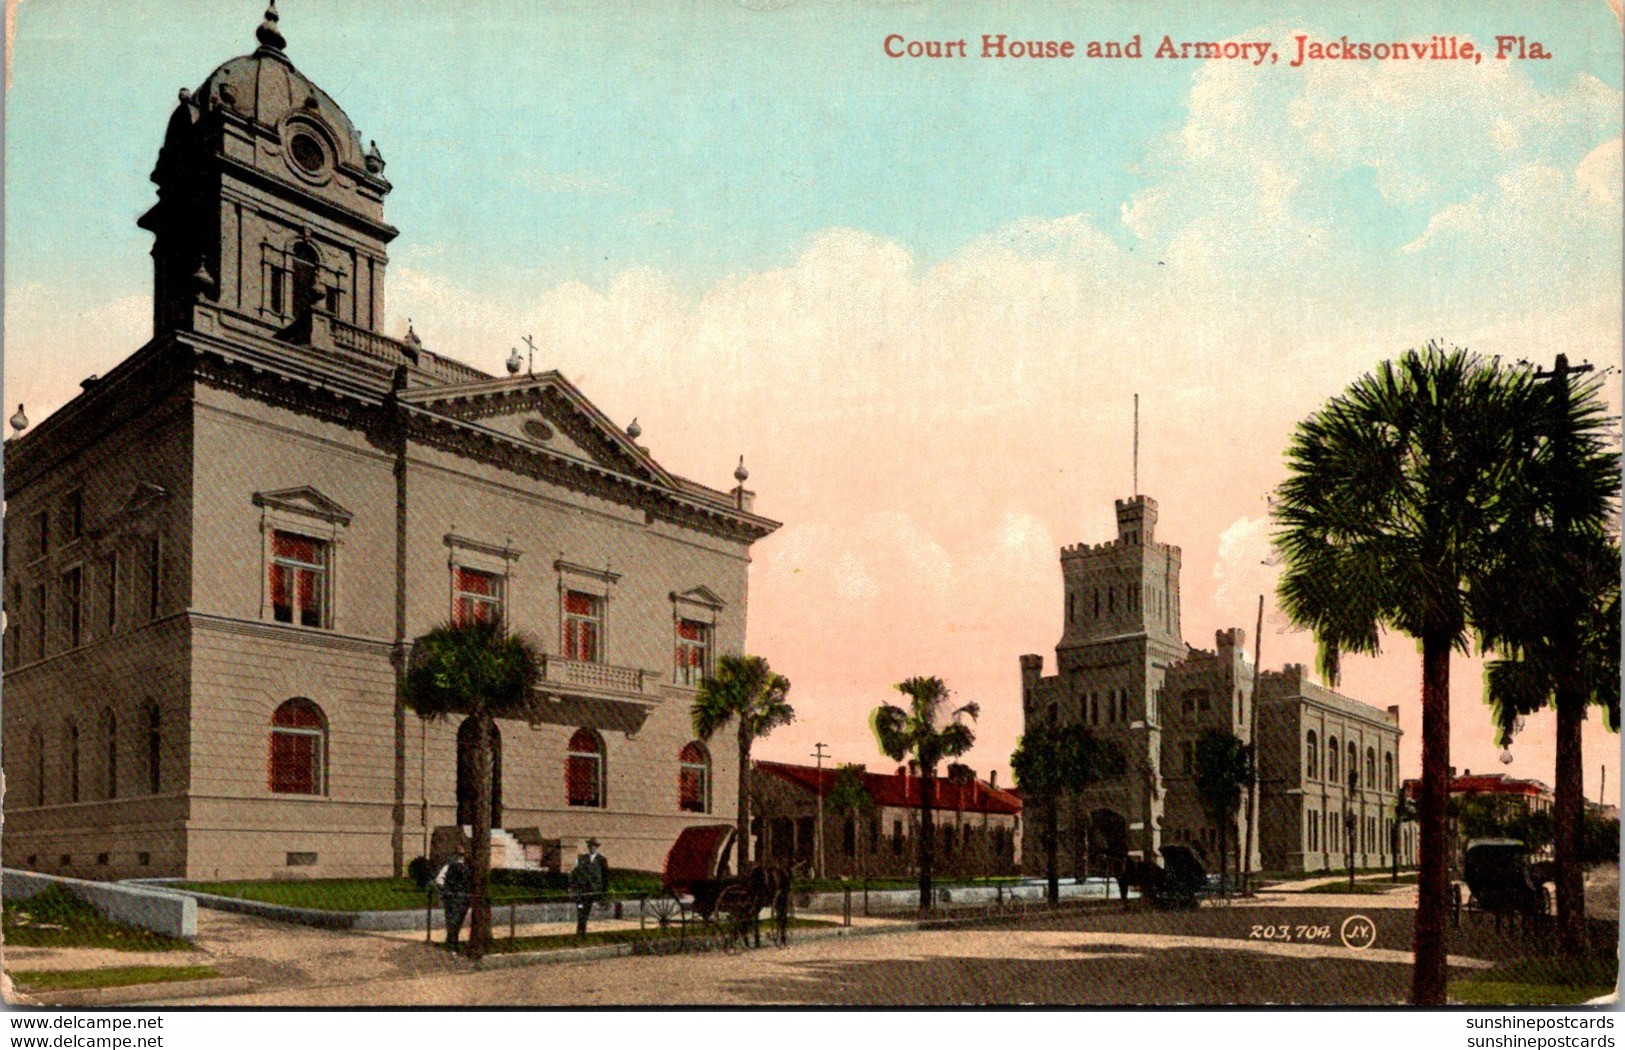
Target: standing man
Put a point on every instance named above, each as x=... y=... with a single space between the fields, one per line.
x=455 y=882
x=588 y=882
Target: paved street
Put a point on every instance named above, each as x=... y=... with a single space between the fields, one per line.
x=1285 y=948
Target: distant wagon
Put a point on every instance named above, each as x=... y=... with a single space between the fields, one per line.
x=1502 y=880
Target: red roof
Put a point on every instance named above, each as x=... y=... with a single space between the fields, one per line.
x=1487 y=784
x=892 y=789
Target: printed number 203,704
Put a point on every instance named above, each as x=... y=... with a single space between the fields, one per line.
x=1283 y=932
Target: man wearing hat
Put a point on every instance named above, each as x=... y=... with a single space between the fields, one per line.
x=588 y=882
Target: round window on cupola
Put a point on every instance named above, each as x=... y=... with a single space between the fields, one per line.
x=307 y=152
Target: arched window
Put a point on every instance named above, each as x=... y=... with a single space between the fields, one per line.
x=1388 y=771
x=110 y=741
x=155 y=747
x=694 y=779
x=584 y=770
x=1354 y=760
x=1370 y=769
x=70 y=741
x=298 y=749
x=1311 y=750
x=1332 y=759
x=37 y=749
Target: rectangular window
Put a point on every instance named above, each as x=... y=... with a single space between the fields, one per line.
x=298 y=580
x=1187 y=757
x=897 y=838
x=476 y=597
x=110 y=591
x=73 y=605
x=73 y=515
x=332 y=305
x=154 y=576
x=584 y=779
x=41 y=613
x=42 y=533
x=278 y=275
x=583 y=627
x=693 y=651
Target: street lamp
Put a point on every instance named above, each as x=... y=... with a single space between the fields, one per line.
x=818 y=830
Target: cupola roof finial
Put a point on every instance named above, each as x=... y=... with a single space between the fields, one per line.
x=268 y=33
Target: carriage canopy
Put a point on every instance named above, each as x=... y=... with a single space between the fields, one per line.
x=698 y=855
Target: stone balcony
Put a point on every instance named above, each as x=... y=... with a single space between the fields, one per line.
x=581 y=692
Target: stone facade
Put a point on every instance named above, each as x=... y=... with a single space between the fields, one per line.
x=1123 y=670
x=217 y=554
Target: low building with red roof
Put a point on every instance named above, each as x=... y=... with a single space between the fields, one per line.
x=977 y=825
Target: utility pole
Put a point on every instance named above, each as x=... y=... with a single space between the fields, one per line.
x=818 y=833
x=1251 y=843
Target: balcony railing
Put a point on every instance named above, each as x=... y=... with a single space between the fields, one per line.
x=604 y=680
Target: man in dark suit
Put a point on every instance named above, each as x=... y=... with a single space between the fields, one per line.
x=456 y=884
x=588 y=882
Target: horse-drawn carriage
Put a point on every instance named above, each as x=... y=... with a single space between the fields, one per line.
x=698 y=893
x=1178 y=883
x=1502 y=880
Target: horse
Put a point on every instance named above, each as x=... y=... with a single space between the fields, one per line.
x=1142 y=875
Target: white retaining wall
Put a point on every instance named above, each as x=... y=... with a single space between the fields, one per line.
x=144 y=906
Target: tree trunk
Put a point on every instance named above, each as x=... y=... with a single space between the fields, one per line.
x=479 y=925
x=1052 y=833
x=928 y=792
x=1433 y=877
x=1568 y=820
x=742 y=848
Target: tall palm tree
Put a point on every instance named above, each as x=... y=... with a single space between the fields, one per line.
x=481 y=671
x=1390 y=516
x=1224 y=770
x=1050 y=759
x=1551 y=606
x=915 y=733
x=746 y=691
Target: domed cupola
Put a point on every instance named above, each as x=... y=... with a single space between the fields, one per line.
x=267 y=202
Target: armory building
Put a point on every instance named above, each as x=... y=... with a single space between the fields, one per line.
x=1124 y=670
x=218 y=553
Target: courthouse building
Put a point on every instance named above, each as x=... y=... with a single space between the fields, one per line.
x=218 y=553
x=1124 y=670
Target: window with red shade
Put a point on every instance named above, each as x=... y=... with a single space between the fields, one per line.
x=298 y=749
x=299 y=569
x=476 y=597
x=693 y=651
x=584 y=770
x=694 y=779
x=583 y=627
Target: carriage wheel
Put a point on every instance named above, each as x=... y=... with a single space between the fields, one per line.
x=664 y=909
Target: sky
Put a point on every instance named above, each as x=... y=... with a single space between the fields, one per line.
x=918 y=296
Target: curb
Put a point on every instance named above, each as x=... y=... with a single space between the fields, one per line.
x=159 y=991
x=609 y=951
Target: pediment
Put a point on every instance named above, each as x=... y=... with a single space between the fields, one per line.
x=702 y=595
x=307 y=501
x=545 y=412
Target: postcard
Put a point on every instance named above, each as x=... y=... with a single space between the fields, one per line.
x=791 y=503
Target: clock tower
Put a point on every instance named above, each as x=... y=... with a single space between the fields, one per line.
x=268 y=207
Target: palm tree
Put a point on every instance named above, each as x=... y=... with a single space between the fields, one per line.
x=481 y=671
x=1389 y=517
x=1050 y=759
x=744 y=690
x=1224 y=771
x=1551 y=608
x=915 y=733
x=1404 y=813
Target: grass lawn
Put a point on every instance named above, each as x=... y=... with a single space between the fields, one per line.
x=1365 y=884
x=1537 y=982
x=829 y=885
x=564 y=941
x=111 y=977
x=404 y=894
x=57 y=918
